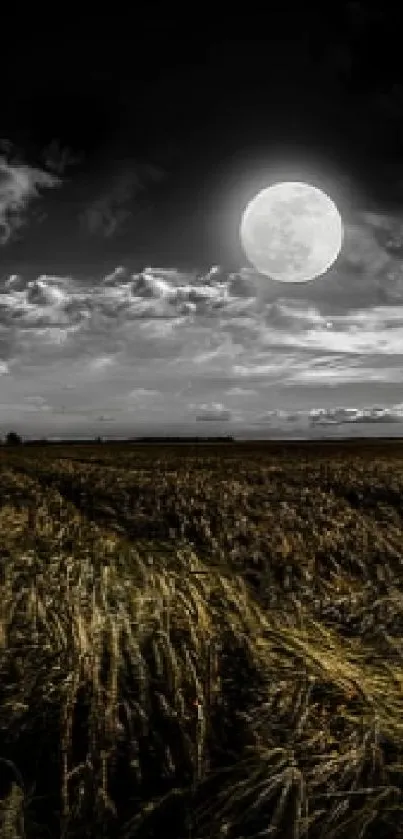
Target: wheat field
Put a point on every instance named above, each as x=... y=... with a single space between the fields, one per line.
x=201 y=641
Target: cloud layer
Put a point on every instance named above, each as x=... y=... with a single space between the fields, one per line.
x=19 y=185
x=165 y=348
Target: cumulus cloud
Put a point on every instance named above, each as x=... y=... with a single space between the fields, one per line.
x=340 y=415
x=108 y=212
x=122 y=347
x=19 y=185
x=292 y=326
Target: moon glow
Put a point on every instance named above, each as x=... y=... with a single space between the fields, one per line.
x=292 y=232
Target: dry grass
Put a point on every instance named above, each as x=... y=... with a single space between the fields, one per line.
x=201 y=645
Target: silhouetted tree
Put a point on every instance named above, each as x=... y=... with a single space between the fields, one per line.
x=13 y=439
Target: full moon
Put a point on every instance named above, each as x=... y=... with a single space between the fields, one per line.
x=292 y=232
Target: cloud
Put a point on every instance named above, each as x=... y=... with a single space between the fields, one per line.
x=293 y=326
x=108 y=212
x=213 y=413
x=19 y=185
x=340 y=416
x=241 y=391
x=35 y=400
x=58 y=158
x=123 y=346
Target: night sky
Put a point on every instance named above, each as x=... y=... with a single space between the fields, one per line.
x=129 y=151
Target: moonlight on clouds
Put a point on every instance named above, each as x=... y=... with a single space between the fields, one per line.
x=292 y=232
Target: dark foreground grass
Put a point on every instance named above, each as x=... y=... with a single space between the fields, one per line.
x=201 y=642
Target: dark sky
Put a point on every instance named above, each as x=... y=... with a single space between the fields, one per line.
x=193 y=122
x=135 y=142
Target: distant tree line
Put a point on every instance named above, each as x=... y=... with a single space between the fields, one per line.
x=226 y=439
x=12 y=439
